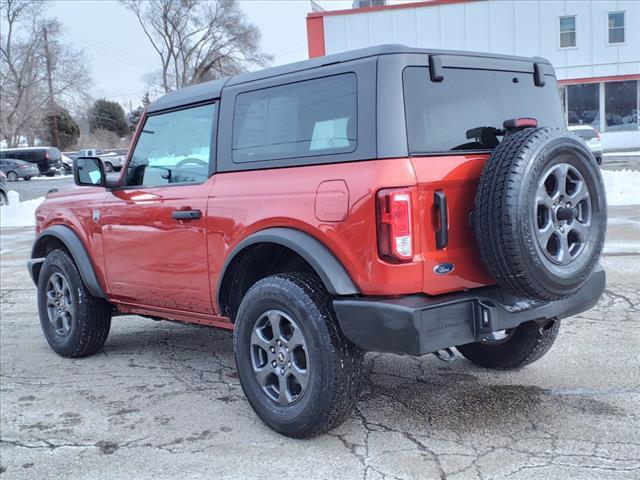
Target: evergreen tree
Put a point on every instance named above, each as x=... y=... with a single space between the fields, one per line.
x=106 y=115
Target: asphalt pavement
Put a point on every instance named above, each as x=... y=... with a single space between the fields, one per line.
x=162 y=400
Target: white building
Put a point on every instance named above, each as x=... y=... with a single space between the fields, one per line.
x=594 y=46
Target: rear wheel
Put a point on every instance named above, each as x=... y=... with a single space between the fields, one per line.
x=298 y=371
x=108 y=167
x=514 y=348
x=27 y=178
x=74 y=322
x=3 y=199
x=12 y=176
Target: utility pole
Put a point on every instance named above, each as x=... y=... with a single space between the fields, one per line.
x=52 y=105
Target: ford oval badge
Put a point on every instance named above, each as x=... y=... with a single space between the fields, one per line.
x=443 y=268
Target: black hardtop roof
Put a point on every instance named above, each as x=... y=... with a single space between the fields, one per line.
x=212 y=89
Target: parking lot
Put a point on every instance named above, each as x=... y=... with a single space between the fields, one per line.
x=162 y=400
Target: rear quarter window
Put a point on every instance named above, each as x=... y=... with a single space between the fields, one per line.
x=306 y=118
x=441 y=115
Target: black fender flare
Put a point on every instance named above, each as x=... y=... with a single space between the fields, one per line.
x=76 y=248
x=333 y=275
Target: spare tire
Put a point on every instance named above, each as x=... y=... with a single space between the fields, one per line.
x=540 y=214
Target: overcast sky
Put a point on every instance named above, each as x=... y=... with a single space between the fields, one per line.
x=120 y=54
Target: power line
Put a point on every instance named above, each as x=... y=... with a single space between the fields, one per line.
x=110 y=50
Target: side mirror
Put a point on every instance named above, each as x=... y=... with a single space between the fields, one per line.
x=89 y=172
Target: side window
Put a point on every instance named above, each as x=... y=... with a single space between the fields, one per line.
x=173 y=147
x=308 y=118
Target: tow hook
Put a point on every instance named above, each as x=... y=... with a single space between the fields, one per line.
x=446 y=355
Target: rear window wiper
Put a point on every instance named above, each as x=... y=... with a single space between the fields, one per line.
x=485 y=137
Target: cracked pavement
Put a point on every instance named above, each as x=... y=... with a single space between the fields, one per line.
x=162 y=400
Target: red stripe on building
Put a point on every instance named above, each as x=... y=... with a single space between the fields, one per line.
x=315 y=36
x=424 y=3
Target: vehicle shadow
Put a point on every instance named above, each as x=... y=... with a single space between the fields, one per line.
x=399 y=393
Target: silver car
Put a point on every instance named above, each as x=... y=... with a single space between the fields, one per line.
x=591 y=137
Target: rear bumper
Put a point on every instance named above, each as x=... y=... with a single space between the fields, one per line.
x=417 y=324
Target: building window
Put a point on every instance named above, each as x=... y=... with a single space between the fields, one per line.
x=567 y=32
x=583 y=104
x=621 y=105
x=616 y=27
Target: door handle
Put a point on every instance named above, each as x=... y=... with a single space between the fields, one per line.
x=186 y=214
x=442 y=233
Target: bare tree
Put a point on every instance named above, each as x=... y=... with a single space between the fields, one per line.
x=24 y=97
x=198 y=40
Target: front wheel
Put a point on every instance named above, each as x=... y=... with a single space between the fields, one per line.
x=3 y=199
x=514 y=348
x=27 y=179
x=108 y=167
x=12 y=176
x=300 y=374
x=74 y=322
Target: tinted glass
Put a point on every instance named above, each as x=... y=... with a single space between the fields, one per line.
x=314 y=117
x=621 y=105
x=583 y=104
x=173 y=147
x=616 y=27
x=460 y=112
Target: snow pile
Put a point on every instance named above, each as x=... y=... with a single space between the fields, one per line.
x=57 y=177
x=622 y=154
x=622 y=186
x=17 y=213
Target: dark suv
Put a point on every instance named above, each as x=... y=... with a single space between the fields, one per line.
x=389 y=199
x=47 y=159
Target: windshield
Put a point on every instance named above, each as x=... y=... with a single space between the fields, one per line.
x=466 y=110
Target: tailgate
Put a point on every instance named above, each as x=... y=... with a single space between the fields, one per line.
x=455 y=178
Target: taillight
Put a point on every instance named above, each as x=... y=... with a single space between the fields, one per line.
x=46 y=156
x=597 y=133
x=395 y=240
x=516 y=123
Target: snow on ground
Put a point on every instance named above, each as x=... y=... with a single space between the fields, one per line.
x=622 y=186
x=17 y=213
x=622 y=154
x=57 y=177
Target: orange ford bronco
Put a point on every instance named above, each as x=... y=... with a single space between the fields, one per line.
x=389 y=199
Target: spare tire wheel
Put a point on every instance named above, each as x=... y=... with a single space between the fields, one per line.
x=540 y=214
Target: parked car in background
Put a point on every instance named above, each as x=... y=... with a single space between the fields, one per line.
x=4 y=198
x=110 y=159
x=591 y=137
x=67 y=163
x=15 y=169
x=46 y=158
